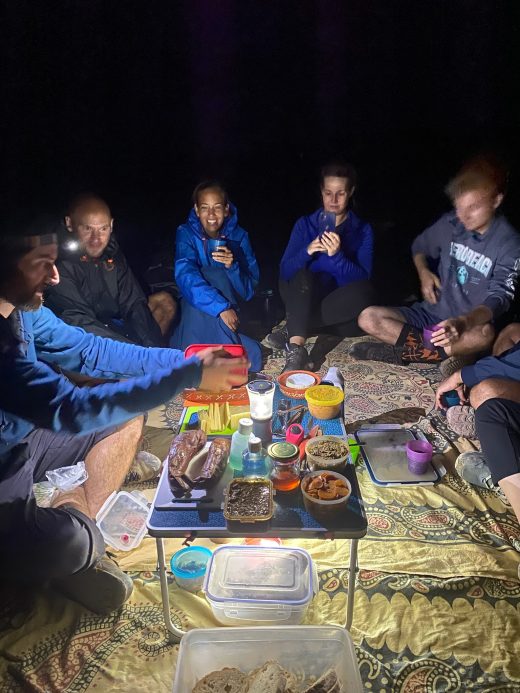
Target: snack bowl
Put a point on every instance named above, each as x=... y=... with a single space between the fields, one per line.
x=323 y=507
x=419 y=453
x=327 y=452
x=294 y=384
x=189 y=567
x=324 y=401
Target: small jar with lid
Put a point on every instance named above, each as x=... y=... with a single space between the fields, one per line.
x=285 y=466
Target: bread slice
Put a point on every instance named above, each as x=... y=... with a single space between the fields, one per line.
x=269 y=678
x=328 y=683
x=225 y=680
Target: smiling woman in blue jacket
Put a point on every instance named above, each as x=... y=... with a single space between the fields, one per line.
x=215 y=270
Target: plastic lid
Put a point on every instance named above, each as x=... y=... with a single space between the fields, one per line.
x=259 y=573
x=324 y=395
x=254 y=444
x=122 y=520
x=190 y=562
x=261 y=387
x=245 y=426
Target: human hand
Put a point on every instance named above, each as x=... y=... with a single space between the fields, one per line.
x=315 y=246
x=221 y=372
x=430 y=283
x=454 y=382
x=331 y=242
x=450 y=331
x=224 y=255
x=230 y=318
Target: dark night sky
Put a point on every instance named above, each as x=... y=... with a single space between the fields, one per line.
x=140 y=99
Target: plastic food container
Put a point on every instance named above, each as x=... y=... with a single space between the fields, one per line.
x=256 y=504
x=327 y=445
x=324 y=401
x=189 y=567
x=122 y=520
x=232 y=349
x=419 y=453
x=306 y=651
x=323 y=508
x=294 y=384
x=251 y=584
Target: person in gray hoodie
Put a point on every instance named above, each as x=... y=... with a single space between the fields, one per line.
x=468 y=263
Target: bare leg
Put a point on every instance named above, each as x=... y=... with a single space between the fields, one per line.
x=494 y=388
x=297 y=340
x=163 y=308
x=384 y=323
x=510 y=485
x=507 y=338
x=107 y=464
x=475 y=341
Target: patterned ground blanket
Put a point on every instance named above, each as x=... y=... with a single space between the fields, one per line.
x=437 y=600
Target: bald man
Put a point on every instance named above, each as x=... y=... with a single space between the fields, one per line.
x=98 y=290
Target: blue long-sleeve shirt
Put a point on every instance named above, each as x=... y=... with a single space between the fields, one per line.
x=474 y=269
x=192 y=254
x=33 y=395
x=353 y=261
x=506 y=366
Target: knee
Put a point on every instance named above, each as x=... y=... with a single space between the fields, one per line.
x=367 y=319
x=487 y=389
x=164 y=302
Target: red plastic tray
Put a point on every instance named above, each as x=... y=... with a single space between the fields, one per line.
x=232 y=349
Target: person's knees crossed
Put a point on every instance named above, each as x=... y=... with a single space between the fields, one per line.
x=493 y=388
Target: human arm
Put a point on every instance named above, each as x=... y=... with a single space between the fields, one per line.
x=347 y=264
x=430 y=282
x=454 y=382
x=303 y=243
x=451 y=330
x=425 y=248
x=243 y=271
x=506 y=366
x=188 y=276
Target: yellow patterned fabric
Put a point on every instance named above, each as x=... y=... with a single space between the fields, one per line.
x=437 y=600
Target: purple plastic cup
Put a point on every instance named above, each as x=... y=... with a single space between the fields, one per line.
x=419 y=453
x=427 y=335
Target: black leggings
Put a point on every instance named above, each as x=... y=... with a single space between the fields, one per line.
x=497 y=422
x=309 y=308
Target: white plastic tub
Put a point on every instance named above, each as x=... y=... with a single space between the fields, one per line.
x=247 y=585
x=306 y=651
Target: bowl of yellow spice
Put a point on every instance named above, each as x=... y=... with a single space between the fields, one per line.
x=324 y=401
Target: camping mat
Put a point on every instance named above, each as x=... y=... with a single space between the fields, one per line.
x=437 y=599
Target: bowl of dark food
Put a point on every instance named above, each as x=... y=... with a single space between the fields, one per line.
x=325 y=494
x=249 y=500
x=327 y=452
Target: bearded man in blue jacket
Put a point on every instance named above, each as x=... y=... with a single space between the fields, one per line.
x=47 y=421
x=215 y=270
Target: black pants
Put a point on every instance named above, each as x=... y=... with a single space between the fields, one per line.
x=309 y=308
x=40 y=544
x=497 y=422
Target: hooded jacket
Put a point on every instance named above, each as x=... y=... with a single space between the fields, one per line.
x=353 y=261
x=192 y=254
x=34 y=395
x=93 y=293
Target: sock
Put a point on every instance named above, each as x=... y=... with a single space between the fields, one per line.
x=411 y=345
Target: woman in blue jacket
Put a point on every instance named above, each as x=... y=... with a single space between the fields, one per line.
x=215 y=270
x=325 y=270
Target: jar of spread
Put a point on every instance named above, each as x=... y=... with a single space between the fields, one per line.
x=285 y=466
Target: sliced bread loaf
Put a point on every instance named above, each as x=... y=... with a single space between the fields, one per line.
x=225 y=680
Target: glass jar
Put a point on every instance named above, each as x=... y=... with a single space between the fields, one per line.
x=285 y=466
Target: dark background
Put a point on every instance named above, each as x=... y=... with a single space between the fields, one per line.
x=138 y=100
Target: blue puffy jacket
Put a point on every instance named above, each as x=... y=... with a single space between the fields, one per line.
x=192 y=253
x=32 y=394
x=353 y=261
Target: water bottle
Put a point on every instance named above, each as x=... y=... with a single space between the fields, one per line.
x=255 y=461
x=239 y=441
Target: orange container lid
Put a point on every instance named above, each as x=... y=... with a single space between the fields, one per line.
x=324 y=395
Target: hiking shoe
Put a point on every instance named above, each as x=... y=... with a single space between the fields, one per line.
x=297 y=358
x=376 y=351
x=472 y=467
x=461 y=419
x=277 y=339
x=453 y=364
x=102 y=588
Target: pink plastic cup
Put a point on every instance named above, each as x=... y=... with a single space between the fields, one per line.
x=419 y=453
x=427 y=335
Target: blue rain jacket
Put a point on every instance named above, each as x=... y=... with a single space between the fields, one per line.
x=192 y=255
x=33 y=395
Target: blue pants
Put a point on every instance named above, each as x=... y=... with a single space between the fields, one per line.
x=197 y=327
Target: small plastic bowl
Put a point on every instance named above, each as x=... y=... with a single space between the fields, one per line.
x=296 y=392
x=325 y=509
x=427 y=335
x=324 y=401
x=189 y=567
x=317 y=462
x=419 y=453
x=451 y=398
